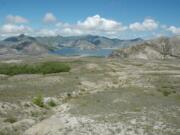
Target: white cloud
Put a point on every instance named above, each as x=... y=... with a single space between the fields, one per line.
x=14 y=29
x=92 y=25
x=98 y=23
x=174 y=30
x=49 y=18
x=15 y=19
x=46 y=32
x=146 y=25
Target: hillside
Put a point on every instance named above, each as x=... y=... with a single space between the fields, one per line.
x=160 y=48
x=22 y=44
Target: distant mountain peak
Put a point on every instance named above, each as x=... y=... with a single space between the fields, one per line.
x=22 y=35
x=137 y=39
x=20 y=38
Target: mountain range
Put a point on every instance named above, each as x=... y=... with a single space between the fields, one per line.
x=158 y=48
x=23 y=44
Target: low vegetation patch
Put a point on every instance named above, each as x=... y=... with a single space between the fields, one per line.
x=40 y=68
x=38 y=101
x=52 y=103
x=166 y=93
x=10 y=120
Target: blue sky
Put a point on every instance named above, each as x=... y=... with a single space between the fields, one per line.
x=113 y=18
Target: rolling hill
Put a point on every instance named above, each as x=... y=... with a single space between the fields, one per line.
x=160 y=48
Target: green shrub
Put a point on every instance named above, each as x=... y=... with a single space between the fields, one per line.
x=39 y=68
x=53 y=67
x=35 y=114
x=178 y=97
x=10 y=120
x=38 y=101
x=69 y=95
x=166 y=93
x=52 y=103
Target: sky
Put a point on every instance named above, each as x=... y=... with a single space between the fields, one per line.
x=122 y=19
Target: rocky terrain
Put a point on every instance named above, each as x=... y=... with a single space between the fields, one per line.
x=160 y=48
x=109 y=96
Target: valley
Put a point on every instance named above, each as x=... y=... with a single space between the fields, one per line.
x=89 y=67
x=98 y=95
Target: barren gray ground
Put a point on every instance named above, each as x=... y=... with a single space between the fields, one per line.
x=98 y=96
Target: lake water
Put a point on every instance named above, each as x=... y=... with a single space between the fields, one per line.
x=80 y=52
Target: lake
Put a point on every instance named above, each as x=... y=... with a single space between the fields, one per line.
x=80 y=52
